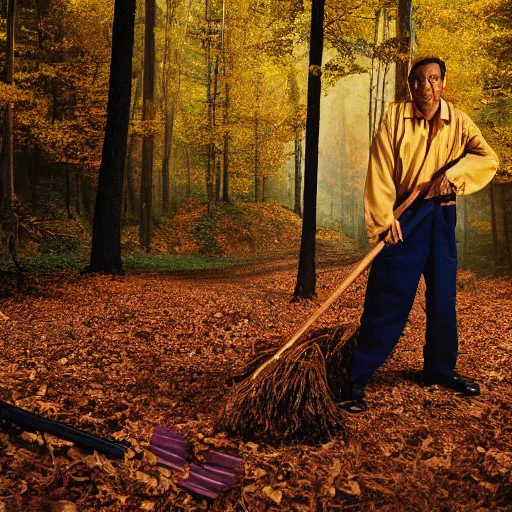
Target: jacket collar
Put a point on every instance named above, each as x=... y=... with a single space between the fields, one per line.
x=412 y=112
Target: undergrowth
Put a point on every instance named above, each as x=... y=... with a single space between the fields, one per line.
x=70 y=261
x=198 y=236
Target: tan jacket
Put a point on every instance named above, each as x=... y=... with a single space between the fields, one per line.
x=408 y=150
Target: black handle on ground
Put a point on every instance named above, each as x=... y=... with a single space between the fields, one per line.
x=32 y=422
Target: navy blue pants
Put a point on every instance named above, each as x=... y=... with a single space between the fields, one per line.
x=429 y=249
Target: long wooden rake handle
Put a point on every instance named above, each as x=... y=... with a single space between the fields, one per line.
x=358 y=269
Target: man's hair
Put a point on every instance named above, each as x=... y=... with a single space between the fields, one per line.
x=428 y=60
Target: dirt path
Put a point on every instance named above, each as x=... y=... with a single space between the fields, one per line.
x=118 y=356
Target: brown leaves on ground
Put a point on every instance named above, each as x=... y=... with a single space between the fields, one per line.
x=115 y=357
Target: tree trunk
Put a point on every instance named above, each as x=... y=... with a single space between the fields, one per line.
x=306 y=277
x=257 y=141
x=166 y=175
x=386 y=66
x=35 y=179
x=23 y=168
x=84 y=194
x=225 y=166
x=211 y=148
x=189 y=177
x=8 y=220
x=462 y=220
x=68 y=193
x=77 y=199
x=214 y=125
x=217 y=179
x=297 y=175
x=42 y=8
x=215 y=92
x=404 y=31
x=131 y=196
x=18 y=27
x=256 y=155
x=493 y=225
x=371 y=118
x=169 y=116
x=506 y=230
x=106 y=234
x=148 y=114
x=376 y=97
x=383 y=92
x=295 y=99
x=7 y=182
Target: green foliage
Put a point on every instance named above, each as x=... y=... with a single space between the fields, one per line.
x=61 y=244
x=177 y=263
x=498 y=112
x=68 y=261
x=49 y=262
x=205 y=235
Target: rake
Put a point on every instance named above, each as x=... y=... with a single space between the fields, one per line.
x=291 y=396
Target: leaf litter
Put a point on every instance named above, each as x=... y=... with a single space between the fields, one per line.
x=117 y=357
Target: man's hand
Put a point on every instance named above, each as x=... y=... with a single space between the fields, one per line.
x=394 y=234
x=441 y=186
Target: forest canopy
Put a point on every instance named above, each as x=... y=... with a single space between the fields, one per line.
x=228 y=112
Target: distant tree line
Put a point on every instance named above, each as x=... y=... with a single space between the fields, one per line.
x=217 y=96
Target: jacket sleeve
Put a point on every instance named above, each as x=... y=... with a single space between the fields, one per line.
x=478 y=165
x=380 y=189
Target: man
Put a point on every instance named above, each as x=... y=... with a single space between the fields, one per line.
x=426 y=139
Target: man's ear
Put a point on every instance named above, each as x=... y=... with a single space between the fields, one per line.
x=444 y=81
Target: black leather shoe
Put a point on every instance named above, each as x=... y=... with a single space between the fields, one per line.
x=353 y=401
x=457 y=383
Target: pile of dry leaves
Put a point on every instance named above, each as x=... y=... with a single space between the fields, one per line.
x=115 y=357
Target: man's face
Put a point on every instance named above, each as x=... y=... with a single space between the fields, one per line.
x=426 y=87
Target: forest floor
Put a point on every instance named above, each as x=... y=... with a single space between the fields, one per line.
x=118 y=356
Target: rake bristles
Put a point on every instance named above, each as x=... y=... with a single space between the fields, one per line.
x=291 y=399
